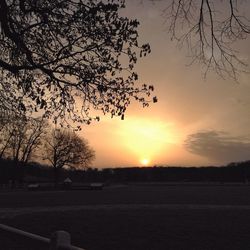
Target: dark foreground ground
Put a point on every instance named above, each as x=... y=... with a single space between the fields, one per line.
x=133 y=218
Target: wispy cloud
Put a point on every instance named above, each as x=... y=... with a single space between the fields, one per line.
x=218 y=145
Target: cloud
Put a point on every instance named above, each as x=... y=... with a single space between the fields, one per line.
x=219 y=146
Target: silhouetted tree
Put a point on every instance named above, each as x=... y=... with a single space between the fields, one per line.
x=67 y=57
x=20 y=138
x=5 y=134
x=23 y=136
x=64 y=148
x=210 y=29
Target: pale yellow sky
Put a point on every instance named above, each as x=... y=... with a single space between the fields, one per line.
x=187 y=105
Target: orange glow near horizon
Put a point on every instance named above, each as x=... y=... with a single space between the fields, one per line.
x=146 y=139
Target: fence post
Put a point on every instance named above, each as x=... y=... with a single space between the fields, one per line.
x=60 y=240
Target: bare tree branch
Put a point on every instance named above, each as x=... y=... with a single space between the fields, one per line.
x=210 y=30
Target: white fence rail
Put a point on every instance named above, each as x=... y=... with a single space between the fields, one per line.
x=60 y=240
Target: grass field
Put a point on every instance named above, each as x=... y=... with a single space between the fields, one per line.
x=133 y=217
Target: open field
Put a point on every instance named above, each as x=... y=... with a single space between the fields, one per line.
x=133 y=217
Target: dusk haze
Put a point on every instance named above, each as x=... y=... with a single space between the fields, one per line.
x=124 y=124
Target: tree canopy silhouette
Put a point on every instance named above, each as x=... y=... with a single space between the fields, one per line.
x=66 y=58
x=20 y=137
x=64 y=148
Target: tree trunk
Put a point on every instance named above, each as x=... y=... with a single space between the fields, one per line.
x=56 y=177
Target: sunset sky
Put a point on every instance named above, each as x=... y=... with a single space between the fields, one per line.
x=213 y=113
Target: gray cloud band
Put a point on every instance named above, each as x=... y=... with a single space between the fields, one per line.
x=218 y=145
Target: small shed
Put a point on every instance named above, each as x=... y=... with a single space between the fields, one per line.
x=67 y=183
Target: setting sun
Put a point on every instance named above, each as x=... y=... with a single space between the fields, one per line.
x=145 y=162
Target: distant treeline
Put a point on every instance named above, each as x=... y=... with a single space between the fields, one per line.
x=234 y=172
x=34 y=172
